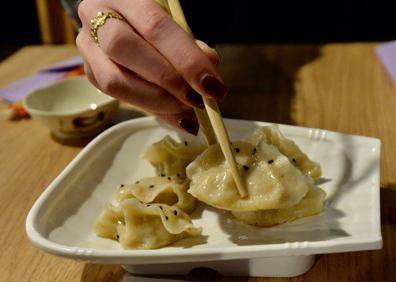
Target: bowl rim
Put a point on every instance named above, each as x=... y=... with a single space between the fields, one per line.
x=34 y=111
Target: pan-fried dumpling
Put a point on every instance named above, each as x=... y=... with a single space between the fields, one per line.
x=311 y=204
x=287 y=147
x=144 y=226
x=170 y=158
x=170 y=190
x=271 y=179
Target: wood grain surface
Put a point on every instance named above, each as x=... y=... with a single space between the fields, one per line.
x=340 y=87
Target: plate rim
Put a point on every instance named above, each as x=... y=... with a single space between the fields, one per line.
x=202 y=254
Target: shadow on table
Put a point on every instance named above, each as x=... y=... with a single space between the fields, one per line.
x=388 y=205
x=100 y=272
x=261 y=79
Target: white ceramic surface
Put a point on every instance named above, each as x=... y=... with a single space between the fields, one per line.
x=72 y=107
x=61 y=220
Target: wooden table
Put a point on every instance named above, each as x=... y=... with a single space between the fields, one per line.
x=339 y=87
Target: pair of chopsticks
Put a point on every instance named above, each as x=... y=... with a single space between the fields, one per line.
x=209 y=118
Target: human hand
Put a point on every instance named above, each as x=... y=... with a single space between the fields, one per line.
x=148 y=60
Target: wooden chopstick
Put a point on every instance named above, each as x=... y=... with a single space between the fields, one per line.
x=224 y=141
x=212 y=113
x=178 y=16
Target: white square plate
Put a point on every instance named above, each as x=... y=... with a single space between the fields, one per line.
x=61 y=221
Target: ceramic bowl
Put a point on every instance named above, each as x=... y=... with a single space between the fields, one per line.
x=72 y=107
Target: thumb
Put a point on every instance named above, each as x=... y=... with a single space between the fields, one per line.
x=211 y=53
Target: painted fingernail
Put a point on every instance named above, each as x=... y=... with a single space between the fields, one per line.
x=213 y=86
x=195 y=99
x=188 y=124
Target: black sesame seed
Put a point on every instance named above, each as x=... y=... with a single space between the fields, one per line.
x=186 y=143
x=175 y=212
x=166 y=217
x=122 y=185
x=169 y=178
x=163 y=175
x=254 y=151
x=270 y=161
x=160 y=207
x=178 y=175
x=148 y=205
x=245 y=167
x=118 y=236
x=151 y=186
x=230 y=143
x=237 y=150
x=137 y=182
x=294 y=160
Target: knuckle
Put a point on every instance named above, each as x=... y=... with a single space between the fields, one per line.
x=169 y=79
x=109 y=84
x=164 y=102
x=213 y=58
x=87 y=9
x=79 y=40
x=191 y=66
x=113 y=42
x=88 y=72
x=155 y=24
x=82 y=11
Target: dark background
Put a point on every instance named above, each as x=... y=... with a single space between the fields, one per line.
x=18 y=26
x=244 y=21
x=292 y=21
x=18 y=23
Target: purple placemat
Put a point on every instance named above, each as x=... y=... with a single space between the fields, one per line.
x=387 y=54
x=21 y=88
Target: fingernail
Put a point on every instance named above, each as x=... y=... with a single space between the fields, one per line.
x=195 y=99
x=213 y=86
x=189 y=125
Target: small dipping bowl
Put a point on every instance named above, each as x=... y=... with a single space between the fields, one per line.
x=71 y=108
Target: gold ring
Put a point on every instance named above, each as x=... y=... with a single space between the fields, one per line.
x=99 y=20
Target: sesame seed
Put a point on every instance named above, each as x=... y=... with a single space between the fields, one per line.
x=166 y=217
x=185 y=143
x=151 y=186
x=122 y=185
x=169 y=178
x=294 y=160
x=245 y=167
x=237 y=150
x=270 y=161
x=137 y=182
x=254 y=150
x=163 y=175
x=160 y=207
x=175 y=212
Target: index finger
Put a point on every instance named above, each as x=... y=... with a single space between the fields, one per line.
x=175 y=44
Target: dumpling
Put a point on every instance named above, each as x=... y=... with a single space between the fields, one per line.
x=311 y=204
x=109 y=219
x=271 y=179
x=144 y=226
x=170 y=190
x=170 y=158
x=287 y=147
